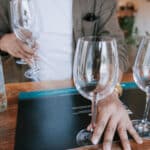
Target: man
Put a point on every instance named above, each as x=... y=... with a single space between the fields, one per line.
x=90 y=17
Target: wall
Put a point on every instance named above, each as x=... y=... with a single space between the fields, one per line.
x=142 y=19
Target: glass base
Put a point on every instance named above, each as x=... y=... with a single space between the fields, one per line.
x=32 y=74
x=84 y=137
x=143 y=128
x=21 y=62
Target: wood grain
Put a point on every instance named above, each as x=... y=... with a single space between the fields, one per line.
x=8 y=118
x=116 y=146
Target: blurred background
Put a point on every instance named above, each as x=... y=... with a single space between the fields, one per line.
x=133 y=17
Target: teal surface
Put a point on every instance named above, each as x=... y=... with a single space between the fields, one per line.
x=129 y=85
x=64 y=91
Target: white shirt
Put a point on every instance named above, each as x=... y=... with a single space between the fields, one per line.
x=55 y=42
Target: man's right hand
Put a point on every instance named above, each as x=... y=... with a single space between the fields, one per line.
x=11 y=44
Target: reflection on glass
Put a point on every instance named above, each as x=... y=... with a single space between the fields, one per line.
x=141 y=74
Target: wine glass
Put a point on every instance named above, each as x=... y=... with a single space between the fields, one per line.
x=141 y=75
x=95 y=73
x=26 y=26
x=20 y=61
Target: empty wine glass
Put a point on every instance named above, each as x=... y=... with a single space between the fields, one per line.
x=95 y=73
x=20 y=61
x=141 y=75
x=26 y=26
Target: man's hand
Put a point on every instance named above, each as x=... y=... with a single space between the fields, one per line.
x=112 y=116
x=10 y=44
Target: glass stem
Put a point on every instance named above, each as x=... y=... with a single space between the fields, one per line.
x=94 y=112
x=147 y=107
x=34 y=65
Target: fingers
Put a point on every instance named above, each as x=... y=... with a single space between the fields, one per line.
x=89 y=127
x=26 y=55
x=109 y=120
x=99 y=128
x=134 y=134
x=21 y=50
x=124 y=137
x=26 y=48
x=15 y=47
x=109 y=134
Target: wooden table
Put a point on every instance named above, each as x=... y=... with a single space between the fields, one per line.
x=8 y=118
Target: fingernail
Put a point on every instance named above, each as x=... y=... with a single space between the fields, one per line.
x=128 y=147
x=94 y=140
x=140 y=141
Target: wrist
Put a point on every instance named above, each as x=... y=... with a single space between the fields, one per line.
x=3 y=51
x=2 y=43
x=118 y=89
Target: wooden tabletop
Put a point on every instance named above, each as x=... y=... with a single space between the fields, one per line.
x=9 y=117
